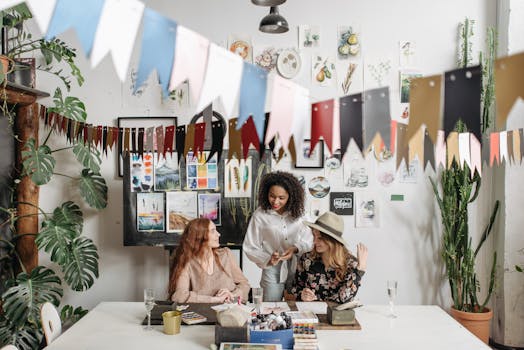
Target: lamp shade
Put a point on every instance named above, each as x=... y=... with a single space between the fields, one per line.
x=273 y=23
x=268 y=2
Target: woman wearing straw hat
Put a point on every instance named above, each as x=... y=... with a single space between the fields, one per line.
x=329 y=272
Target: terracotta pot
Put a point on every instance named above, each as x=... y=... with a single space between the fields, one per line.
x=477 y=323
x=5 y=64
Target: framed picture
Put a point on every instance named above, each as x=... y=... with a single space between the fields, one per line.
x=142 y=122
x=313 y=160
x=209 y=207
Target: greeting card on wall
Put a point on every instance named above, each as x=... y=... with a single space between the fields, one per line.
x=167 y=172
x=308 y=36
x=367 y=211
x=407 y=51
x=150 y=212
x=405 y=83
x=266 y=57
x=181 y=208
x=409 y=174
x=323 y=71
x=341 y=203
x=241 y=45
x=200 y=174
x=348 y=42
x=209 y=207
x=141 y=172
x=237 y=177
x=356 y=173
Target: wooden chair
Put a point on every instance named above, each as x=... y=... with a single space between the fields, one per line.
x=9 y=347
x=51 y=323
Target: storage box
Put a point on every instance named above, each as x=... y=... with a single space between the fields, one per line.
x=283 y=337
x=230 y=334
x=340 y=317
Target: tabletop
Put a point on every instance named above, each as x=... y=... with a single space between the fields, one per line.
x=113 y=325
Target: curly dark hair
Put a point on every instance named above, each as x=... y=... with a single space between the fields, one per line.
x=295 y=202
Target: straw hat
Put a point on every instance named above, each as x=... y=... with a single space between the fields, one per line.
x=329 y=224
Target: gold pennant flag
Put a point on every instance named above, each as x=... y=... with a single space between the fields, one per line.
x=453 y=148
x=402 y=148
x=509 y=85
x=416 y=146
x=190 y=139
x=516 y=146
x=425 y=106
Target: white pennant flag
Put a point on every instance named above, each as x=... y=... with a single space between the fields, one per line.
x=5 y=4
x=302 y=115
x=223 y=77
x=42 y=11
x=116 y=33
x=503 y=146
x=464 y=149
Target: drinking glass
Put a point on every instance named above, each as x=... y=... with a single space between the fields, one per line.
x=392 y=293
x=149 y=301
x=258 y=294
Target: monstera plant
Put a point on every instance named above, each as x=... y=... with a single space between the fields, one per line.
x=60 y=235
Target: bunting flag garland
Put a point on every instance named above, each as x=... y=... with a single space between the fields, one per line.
x=234 y=140
x=476 y=162
x=109 y=138
x=253 y=97
x=85 y=22
x=462 y=99
x=104 y=139
x=376 y=115
x=190 y=61
x=134 y=132
x=120 y=139
x=217 y=130
x=168 y=140
x=249 y=136
x=511 y=157
x=503 y=147
x=516 y=146
x=494 y=148
x=126 y=140
x=117 y=39
x=424 y=105
x=190 y=140
x=402 y=145
x=301 y=115
x=464 y=149
x=350 y=121
x=281 y=115
x=452 y=149
x=159 y=132
x=429 y=151
x=200 y=135
x=223 y=77
x=158 y=40
x=149 y=140
x=509 y=85
x=180 y=141
x=322 y=124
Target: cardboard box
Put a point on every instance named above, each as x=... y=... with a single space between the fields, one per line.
x=283 y=337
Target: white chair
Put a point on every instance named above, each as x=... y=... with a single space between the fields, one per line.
x=9 y=347
x=51 y=323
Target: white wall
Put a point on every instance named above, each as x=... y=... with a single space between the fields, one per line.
x=405 y=247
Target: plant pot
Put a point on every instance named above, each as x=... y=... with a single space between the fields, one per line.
x=477 y=323
x=23 y=72
x=5 y=64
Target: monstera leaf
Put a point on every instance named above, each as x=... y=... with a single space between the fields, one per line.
x=82 y=269
x=55 y=238
x=93 y=189
x=70 y=107
x=38 y=162
x=88 y=156
x=27 y=292
x=69 y=214
x=26 y=337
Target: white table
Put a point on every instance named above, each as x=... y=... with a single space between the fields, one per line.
x=117 y=325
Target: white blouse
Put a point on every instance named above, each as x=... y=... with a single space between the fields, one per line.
x=269 y=231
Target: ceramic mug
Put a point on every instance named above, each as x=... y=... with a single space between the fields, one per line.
x=172 y=320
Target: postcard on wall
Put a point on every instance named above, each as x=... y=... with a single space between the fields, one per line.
x=405 y=83
x=323 y=71
x=180 y=95
x=150 y=211
x=409 y=174
x=241 y=45
x=348 y=41
x=407 y=52
x=201 y=175
x=167 y=172
x=141 y=172
x=366 y=211
x=237 y=177
x=356 y=173
x=265 y=57
x=341 y=203
x=209 y=207
x=181 y=207
x=308 y=36
x=350 y=76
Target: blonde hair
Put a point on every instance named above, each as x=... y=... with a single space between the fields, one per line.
x=335 y=257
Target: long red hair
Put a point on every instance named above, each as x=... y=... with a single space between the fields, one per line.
x=192 y=245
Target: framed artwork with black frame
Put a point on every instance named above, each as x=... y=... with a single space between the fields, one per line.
x=141 y=122
x=314 y=160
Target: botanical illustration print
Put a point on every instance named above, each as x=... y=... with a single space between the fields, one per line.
x=267 y=58
x=308 y=36
x=181 y=95
x=407 y=50
x=237 y=177
x=348 y=42
x=379 y=72
x=323 y=71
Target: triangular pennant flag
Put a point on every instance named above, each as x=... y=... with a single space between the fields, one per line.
x=234 y=140
x=253 y=97
x=485 y=151
x=223 y=76
x=517 y=156
x=126 y=140
x=158 y=40
x=416 y=146
x=509 y=85
x=190 y=61
x=168 y=141
x=322 y=123
x=376 y=115
x=159 y=132
x=402 y=145
x=511 y=157
x=42 y=11
x=262 y=150
x=282 y=105
x=393 y=140
x=476 y=162
x=464 y=149
x=453 y=150
x=440 y=150
x=503 y=147
x=429 y=151
x=301 y=114
x=350 y=121
x=190 y=140
x=424 y=105
x=104 y=139
x=109 y=137
x=85 y=18
x=217 y=130
x=521 y=138
x=117 y=39
x=494 y=148
x=150 y=139
x=462 y=99
x=180 y=142
x=140 y=137
x=249 y=137
x=200 y=135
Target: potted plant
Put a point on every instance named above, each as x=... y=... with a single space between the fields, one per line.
x=458 y=188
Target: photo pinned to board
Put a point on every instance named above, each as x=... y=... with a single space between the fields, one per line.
x=266 y=57
x=210 y=207
x=323 y=71
x=201 y=175
x=348 y=41
x=407 y=53
x=405 y=83
x=409 y=173
x=238 y=177
x=319 y=187
x=166 y=172
x=181 y=207
x=241 y=45
x=150 y=211
x=367 y=210
x=141 y=172
x=308 y=36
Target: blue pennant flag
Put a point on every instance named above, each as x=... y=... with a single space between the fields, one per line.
x=84 y=18
x=253 y=97
x=158 y=49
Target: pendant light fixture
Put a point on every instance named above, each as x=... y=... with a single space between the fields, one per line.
x=268 y=2
x=273 y=23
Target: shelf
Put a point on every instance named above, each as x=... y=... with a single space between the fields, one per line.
x=19 y=94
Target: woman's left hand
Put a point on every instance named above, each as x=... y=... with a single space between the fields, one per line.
x=362 y=256
x=288 y=254
x=226 y=294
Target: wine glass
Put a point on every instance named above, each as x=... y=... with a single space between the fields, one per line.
x=149 y=301
x=392 y=293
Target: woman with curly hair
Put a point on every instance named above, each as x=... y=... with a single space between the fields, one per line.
x=329 y=272
x=276 y=232
x=203 y=272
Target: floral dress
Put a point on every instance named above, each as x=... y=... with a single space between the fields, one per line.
x=312 y=274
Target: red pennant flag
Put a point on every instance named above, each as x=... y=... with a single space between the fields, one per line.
x=168 y=139
x=249 y=136
x=322 y=123
x=200 y=136
x=494 y=142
